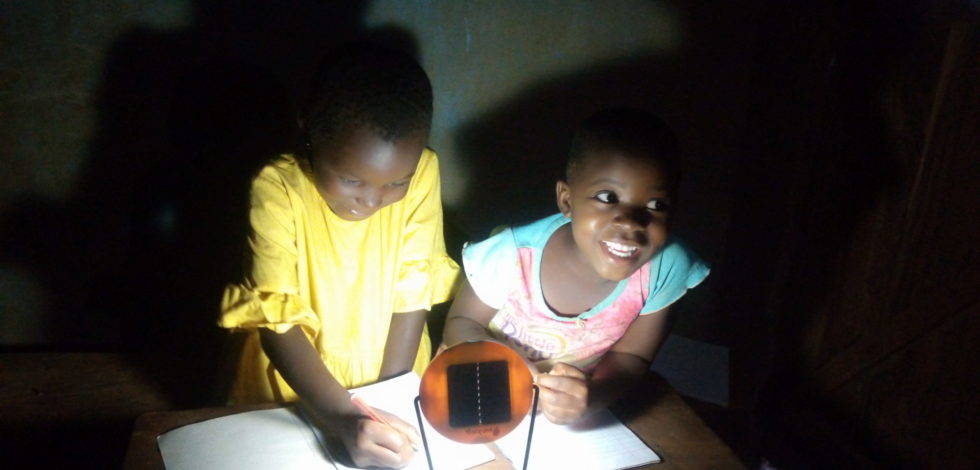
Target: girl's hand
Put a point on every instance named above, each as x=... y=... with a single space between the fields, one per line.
x=374 y=444
x=407 y=430
x=564 y=394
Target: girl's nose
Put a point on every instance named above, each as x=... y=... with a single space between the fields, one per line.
x=633 y=216
x=371 y=199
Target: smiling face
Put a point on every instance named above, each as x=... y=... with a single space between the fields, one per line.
x=363 y=173
x=620 y=206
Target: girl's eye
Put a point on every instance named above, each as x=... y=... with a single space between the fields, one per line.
x=606 y=197
x=657 y=205
x=348 y=180
x=399 y=184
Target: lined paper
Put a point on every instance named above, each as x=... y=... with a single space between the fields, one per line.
x=601 y=442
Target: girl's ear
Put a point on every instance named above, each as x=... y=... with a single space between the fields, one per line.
x=563 y=194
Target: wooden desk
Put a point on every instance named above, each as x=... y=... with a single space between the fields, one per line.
x=657 y=414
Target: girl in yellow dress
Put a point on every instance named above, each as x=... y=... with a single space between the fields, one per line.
x=347 y=252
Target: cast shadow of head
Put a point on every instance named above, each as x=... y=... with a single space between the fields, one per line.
x=515 y=153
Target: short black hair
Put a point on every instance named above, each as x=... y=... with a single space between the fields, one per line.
x=367 y=84
x=632 y=131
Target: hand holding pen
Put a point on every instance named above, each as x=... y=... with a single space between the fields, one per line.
x=564 y=393
x=383 y=439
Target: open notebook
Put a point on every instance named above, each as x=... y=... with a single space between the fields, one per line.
x=282 y=439
x=600 y=442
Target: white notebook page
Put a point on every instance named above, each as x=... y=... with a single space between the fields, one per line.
x=264 y=439
x=601 y=442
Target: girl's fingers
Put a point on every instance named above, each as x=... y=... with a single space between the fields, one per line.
x=564 y=394
x=570 y=385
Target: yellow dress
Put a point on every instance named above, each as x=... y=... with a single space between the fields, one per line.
x=339 y=280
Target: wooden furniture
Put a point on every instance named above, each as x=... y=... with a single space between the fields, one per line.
x=657 y=414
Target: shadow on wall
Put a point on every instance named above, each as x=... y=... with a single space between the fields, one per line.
x=517 y=151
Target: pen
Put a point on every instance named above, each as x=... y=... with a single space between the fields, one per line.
x=369 y=411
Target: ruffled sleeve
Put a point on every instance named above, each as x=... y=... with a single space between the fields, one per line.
x=267 y=297
x=674 y=271
x=426 y=274
x=247 y=308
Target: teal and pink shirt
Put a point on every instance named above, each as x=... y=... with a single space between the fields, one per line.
x=504 y=272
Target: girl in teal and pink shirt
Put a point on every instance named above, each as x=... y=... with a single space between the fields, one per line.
x=584 y=295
